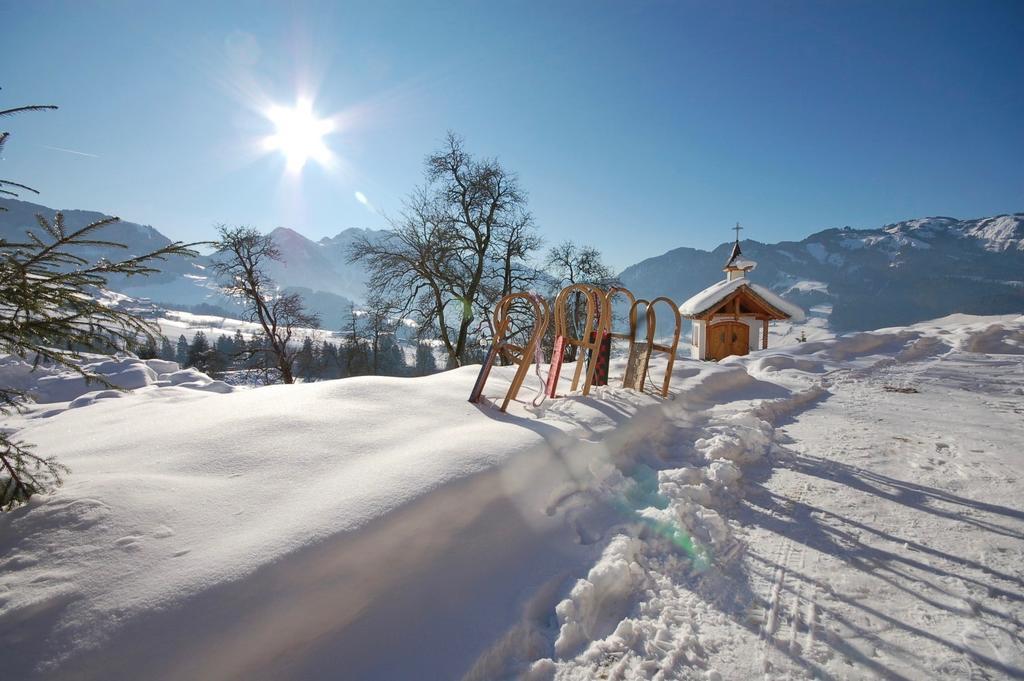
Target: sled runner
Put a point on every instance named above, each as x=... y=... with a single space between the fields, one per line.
x=520 y=355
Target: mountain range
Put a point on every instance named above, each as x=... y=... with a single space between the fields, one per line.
x=316 y=269
x=869 y=278
x=865 y=278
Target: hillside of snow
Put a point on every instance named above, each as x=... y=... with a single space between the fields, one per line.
x=843 y=508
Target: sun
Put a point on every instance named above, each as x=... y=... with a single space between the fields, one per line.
x=299 y=135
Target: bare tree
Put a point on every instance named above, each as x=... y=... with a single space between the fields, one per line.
x=357 y=352
x=442 y=249
x=245 y=253
x=379 y=323
x=510 y=269
x=567 y=264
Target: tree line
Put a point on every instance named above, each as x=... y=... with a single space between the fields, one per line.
x=252 y=360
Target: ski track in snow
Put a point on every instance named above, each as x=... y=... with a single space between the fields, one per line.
x=844 y=508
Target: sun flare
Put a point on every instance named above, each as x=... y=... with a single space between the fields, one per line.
x=299 y=135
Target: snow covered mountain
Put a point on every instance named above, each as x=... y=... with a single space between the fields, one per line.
x=898 y=274
x=320 y=265
x=317 y=269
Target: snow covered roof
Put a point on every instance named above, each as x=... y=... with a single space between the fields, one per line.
x=742 y=263
x=737 y=261
x=716 y=293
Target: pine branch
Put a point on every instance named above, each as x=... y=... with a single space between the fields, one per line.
x=8 y=183
x=22 y=109
x=48 y=302
x=23 y=473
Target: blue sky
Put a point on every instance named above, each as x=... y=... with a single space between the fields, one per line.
x=636 y=127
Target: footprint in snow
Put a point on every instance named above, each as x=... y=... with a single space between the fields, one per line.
x=129 y=543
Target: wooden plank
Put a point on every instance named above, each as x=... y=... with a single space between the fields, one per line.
x=636 y=366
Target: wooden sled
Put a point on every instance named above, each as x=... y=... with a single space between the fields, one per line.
x=640 y=352
x=630 y=334
x=520 y=355
x=593 y=335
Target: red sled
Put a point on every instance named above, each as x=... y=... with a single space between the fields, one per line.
x=557 y=353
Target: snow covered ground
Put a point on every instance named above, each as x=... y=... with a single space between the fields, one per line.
x=841 y=508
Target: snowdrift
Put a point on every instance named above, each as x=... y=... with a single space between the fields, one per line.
x=383 y=528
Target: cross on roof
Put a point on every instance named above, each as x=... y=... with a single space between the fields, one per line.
x=737 y=228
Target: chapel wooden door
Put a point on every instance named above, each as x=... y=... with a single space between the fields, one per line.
x=728 y=338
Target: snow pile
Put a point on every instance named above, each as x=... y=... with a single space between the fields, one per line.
x=52 y=384
x=597 y=603
x=742 y=439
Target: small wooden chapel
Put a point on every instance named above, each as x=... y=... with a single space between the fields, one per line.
x=731 y=317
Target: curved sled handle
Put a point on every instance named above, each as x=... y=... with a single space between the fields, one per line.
x=671 y=348
x=598 y=317
x=523 y=355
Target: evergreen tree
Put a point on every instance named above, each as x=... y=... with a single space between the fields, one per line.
x=426 y=363
x=181 y=352
x=305 y=360
x=199 y=352
x=51 y=315
x=147 y=349
x=331 y=363
x=237 y=346
x=166 y=349
x=46 y=292
x=389 y=358
x=220 y=356
x=357 y=350
x=7 y=187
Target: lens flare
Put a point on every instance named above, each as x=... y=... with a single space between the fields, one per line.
x=299 y=135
